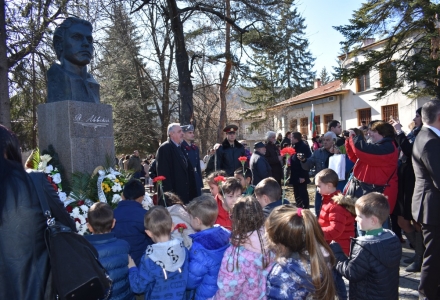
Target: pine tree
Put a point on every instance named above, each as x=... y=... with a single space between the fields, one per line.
x=324 y=76
x=283 y=64
x=124 y=86
x=410 y=30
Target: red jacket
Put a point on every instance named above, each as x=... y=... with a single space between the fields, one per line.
x=223 y=218
x=337 y=219
x=376 y=164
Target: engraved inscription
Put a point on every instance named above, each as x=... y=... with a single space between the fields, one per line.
x=92 y=121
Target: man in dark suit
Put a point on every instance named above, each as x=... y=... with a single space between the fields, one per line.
x=299 y=177
x=172 y=162
x=426 y=197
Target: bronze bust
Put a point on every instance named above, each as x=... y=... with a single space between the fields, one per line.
x=73 y=43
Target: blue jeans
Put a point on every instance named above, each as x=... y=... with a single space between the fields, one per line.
x=341 y=290
x=385 y=225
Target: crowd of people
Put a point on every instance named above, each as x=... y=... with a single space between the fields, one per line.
x=243 y=240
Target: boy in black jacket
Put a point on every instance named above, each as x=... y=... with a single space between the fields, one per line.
x=373 y=265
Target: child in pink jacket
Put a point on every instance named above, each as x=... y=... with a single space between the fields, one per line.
x=246 y=262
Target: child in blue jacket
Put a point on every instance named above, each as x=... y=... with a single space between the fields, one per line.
x=209 y=245
x=163 y=270
x=113 y=252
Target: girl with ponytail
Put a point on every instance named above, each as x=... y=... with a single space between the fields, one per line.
x=303 y=258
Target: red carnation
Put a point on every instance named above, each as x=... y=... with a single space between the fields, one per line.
x=242 y=159
x=289 y=151
x=159 y=179
x=80 y=202
x=219 y=179
x=69 y=209
x=180 y=227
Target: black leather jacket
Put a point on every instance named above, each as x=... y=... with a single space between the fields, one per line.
x=24 y=260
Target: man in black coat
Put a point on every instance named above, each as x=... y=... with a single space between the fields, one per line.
x=426 y=197
x=173 y=163
x=229 y=151
x=259 y=165
x=273 y=156
x=192 y=152
x=299 y=177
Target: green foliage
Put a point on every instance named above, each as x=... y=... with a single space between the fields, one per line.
x=80 y=186
x=282 y=66
x=124 y=86
x=408 y=28
x=325 y=76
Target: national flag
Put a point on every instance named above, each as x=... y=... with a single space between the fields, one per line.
x=312 y=122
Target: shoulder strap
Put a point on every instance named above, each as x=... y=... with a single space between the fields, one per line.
x=43 y=201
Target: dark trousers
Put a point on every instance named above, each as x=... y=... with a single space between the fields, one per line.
x=301 y=195
x=429 y=277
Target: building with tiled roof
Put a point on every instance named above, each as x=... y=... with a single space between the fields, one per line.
x=350 y=103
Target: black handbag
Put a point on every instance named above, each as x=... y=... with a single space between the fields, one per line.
x=356 y=188
x=76 y=270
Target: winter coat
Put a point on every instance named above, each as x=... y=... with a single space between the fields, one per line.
x=296 y=171
x=376 y=163
x=192 y=151
x=260 y=167
x=286 y=142
x=173 y=163
x=163 y=271
x=271 y=206
x=129 y=226
x=319 y=160
x=227 y=156
x=248 y=281
x=24 y=260
x=337 y=219
x=372 y=267
x=205 y=258
x=290 y=279
x=223 y=218
x=134 y=164
x=406 y=175
x=272 y=156
x=180 y=215
x=113 y=255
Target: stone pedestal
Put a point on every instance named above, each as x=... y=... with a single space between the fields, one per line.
x=81 y=133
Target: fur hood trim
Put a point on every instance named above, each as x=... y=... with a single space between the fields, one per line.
x=226 y=144
x=345 y=201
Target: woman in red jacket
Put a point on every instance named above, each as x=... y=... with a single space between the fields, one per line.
x=375 y=162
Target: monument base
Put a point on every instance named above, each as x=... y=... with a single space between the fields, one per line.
x=81 y=133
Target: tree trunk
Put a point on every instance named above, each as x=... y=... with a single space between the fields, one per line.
x=185 y=87
x=5 y=104
x=225 y=77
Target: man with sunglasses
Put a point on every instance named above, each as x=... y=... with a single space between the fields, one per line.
x=229 y=151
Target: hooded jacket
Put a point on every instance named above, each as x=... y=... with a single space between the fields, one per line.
x=163 y=271
x=290 y=279
x=337 y=219
x=205 y=258
x=260 y=167
x=248 y=280
x=113 y=255
x=372 y=267
x=376 y=163
x=180 y=215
